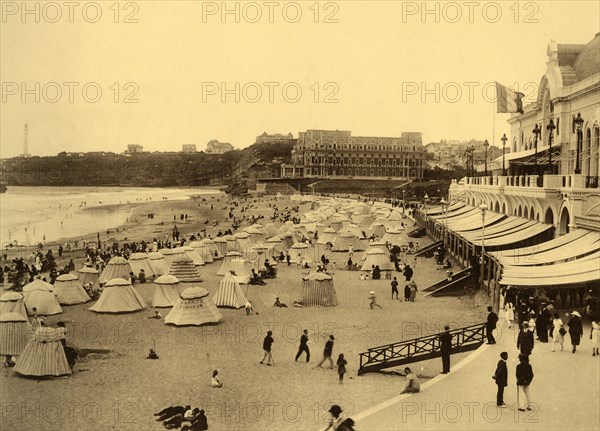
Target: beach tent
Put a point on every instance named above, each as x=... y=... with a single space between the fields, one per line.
x=318 y=290
x=194 y=308
x=119 y=296
x=378 y=229
x=230 y=293
x=167 y=291
x=157 y=263
x=40 y=295
x=194 y=255
x=276 y=246
x=270 y=229
x=139 y=261
x=184 y=270
x=172 y=254
x=87 y=274
x=342 y=242
x=255 y=235
x=15 y=333
x=221 y=244
x=351 y=229
x=117 y=267
x=328 y=235
x=12 y=302
x=374 y=245
x=68 y=290
x=204 y=250
x=232 y=244
x=44 y=354
x=243 y=239
x=394 y=236
x=234 y=261
x=376 y=256
x=301 y=252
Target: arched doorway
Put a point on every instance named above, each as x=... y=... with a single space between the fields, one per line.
x=549 y=217
x=520 y=211
x=497 y=207
x=564 y=221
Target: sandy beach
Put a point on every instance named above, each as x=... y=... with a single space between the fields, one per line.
x=115 y=387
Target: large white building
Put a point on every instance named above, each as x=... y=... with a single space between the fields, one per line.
x=552 y=178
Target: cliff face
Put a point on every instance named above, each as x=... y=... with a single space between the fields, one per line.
x=240 y=168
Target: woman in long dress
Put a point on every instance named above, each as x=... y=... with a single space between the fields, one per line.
x=595 y=336
x=557 y=337
x=44 y=355
x=509 y=314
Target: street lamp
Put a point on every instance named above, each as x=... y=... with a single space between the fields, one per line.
x=537 y=132
x=486 y=144
x=550 y=127
x=483 y=208
x=444 y=204
x=578 y=125
x=503 y=139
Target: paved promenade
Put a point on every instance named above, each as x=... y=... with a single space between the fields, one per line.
x=565 y=391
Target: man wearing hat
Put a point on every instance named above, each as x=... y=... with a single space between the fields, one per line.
x=327 y=352
x=525 y=340
x=412 y=384
x=501 y=378
x=446 y=348
x=575 y=329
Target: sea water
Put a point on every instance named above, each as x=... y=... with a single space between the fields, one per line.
x=32 y=215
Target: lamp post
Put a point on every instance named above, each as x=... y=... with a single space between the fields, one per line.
x=426 y=199
x=444 y=204
x=503 y=139
x=578 y=125
x=483 y=208
x=486 y=144
x=550 y=127
x=537 y=132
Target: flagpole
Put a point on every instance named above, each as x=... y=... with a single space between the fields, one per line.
x=493 y=140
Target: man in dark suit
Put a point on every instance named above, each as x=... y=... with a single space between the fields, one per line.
x=524 y=378
x=490 y=325
x=446 y=348
x=525 y=340
x=501 y=378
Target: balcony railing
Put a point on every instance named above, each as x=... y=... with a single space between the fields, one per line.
x=537 y=181
x=591 y=182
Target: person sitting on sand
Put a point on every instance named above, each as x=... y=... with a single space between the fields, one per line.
x=215 y=382
x=279 y=304
x=156 y=315
x=177 y=420
x=412 y=384
x=9 y=361
x=142 y=276
x=200 y=423
x=171 y=411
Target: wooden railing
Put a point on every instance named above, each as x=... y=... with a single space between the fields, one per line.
x=420 y=349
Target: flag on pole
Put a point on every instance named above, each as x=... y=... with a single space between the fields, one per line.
x=508 y=101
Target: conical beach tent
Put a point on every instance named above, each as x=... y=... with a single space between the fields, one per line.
x=69 y=291
x=221 y=244
x=15 y=333
x=376 y=256
x=87 y=274
x=12 y=302
x=117 y=267
x=40 y=295
x=184 y=270
x=318 y=290
x=194 y=255
x=167 y=291
x=194 y=308
x=230 y=293
x=158 y=263
x=172 y=254
x=139 y=261
x=119 y=296
x=235 y=262
x=342 y=242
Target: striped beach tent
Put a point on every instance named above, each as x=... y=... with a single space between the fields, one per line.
x=119 y=296
x=158 y=263
x=184 y=270
x=230 y=293
x=117 y=267
x=44 y=354
x=12 y=302
x=194 y=308
x=40 y=295
x=69 y=291
x=87 y=274
x=15 y=333
x=167 y=291
x=318 y=290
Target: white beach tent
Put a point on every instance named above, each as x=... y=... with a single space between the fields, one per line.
x=12 y=302
x=318 y=290
x=374 y=245
x=232 y=244
x=243 y=239
x=301 y=252
x=119 y=296
x=40 y=295
x=194 y=308
x=167 y=291
x=117 y=267
x=194 y=255
x=230 y=293
x=234 y=261
x=172 y=254
x=342 y=242
x=69 y=291
x=378 y=229
x=328 y=235
x=221 y=244
x=376 y=256
x=158 y=263
x=139 y=261
x=212 y=248
x=15 y=333
x=394 y=236
x=87 y=274
x=203 y=250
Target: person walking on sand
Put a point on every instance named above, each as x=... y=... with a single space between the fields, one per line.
x=501 y=378
x=413 y=291
x=407 y=293
x=575 y=329
x=267 y=343
x=327 y=352
x=595 y=336
x=303 y=346
x=558 y=332
x=446 y=348
x=394 y=288
x=524 y=378
x=341 y=367
x=490 y=325
x=373 y=300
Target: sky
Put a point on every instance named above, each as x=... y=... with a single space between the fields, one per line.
x=97 y=76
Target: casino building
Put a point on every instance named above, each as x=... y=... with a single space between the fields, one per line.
x=551 y=174
x=338 y=154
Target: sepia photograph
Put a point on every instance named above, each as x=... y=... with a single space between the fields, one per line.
x=311 y=215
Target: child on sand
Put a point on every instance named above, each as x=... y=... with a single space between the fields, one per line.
x=373 y=300
x=341 y=367
x=215 y=382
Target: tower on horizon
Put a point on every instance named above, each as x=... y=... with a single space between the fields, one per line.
x=25 y=143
